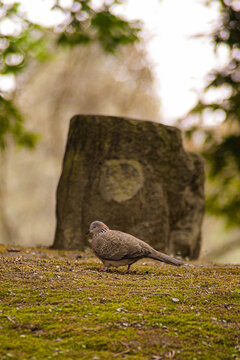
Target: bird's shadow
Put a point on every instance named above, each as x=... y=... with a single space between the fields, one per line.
x=118 y=272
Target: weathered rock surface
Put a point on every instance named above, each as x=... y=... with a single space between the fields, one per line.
x=134 y=176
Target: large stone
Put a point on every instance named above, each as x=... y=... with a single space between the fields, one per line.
x=134 y=176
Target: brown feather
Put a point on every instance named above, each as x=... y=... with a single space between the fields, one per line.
x=116 y=248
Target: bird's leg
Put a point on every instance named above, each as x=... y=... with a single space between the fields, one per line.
x=104 y=269
x=128 y=269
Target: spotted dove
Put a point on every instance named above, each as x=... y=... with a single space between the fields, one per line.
x=116 y=248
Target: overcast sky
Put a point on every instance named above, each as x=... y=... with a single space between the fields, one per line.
x=180 y=59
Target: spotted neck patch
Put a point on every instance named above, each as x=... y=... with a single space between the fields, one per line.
x=100 y=232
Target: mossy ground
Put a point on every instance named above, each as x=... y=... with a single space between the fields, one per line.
x=54 y=305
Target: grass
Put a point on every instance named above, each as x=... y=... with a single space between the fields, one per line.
x=54 y=305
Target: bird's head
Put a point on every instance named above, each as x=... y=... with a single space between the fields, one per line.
x=96 y=227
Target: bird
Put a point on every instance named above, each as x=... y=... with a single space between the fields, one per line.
x=117 y=248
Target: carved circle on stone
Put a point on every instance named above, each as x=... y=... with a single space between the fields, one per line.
x=120 y=179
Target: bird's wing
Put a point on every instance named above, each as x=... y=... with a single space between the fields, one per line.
x=117 y=245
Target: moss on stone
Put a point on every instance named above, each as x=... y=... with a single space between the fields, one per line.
x=136 y=177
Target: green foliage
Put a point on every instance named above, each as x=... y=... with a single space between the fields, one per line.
x=222 y=144
x=83 y=24
x=113 y=31
x=87 y=25
x=11 y=121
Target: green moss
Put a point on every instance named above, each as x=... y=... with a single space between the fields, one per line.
x=120 y=179
x=54 y=307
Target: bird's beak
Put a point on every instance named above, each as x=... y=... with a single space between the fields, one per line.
x=87 y=232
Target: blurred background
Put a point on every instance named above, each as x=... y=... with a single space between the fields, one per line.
x=170 y=61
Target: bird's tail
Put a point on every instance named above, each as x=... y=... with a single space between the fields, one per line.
x=157 y=255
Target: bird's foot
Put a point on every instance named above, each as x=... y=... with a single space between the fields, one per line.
x=105 y=269
x=128 y=270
